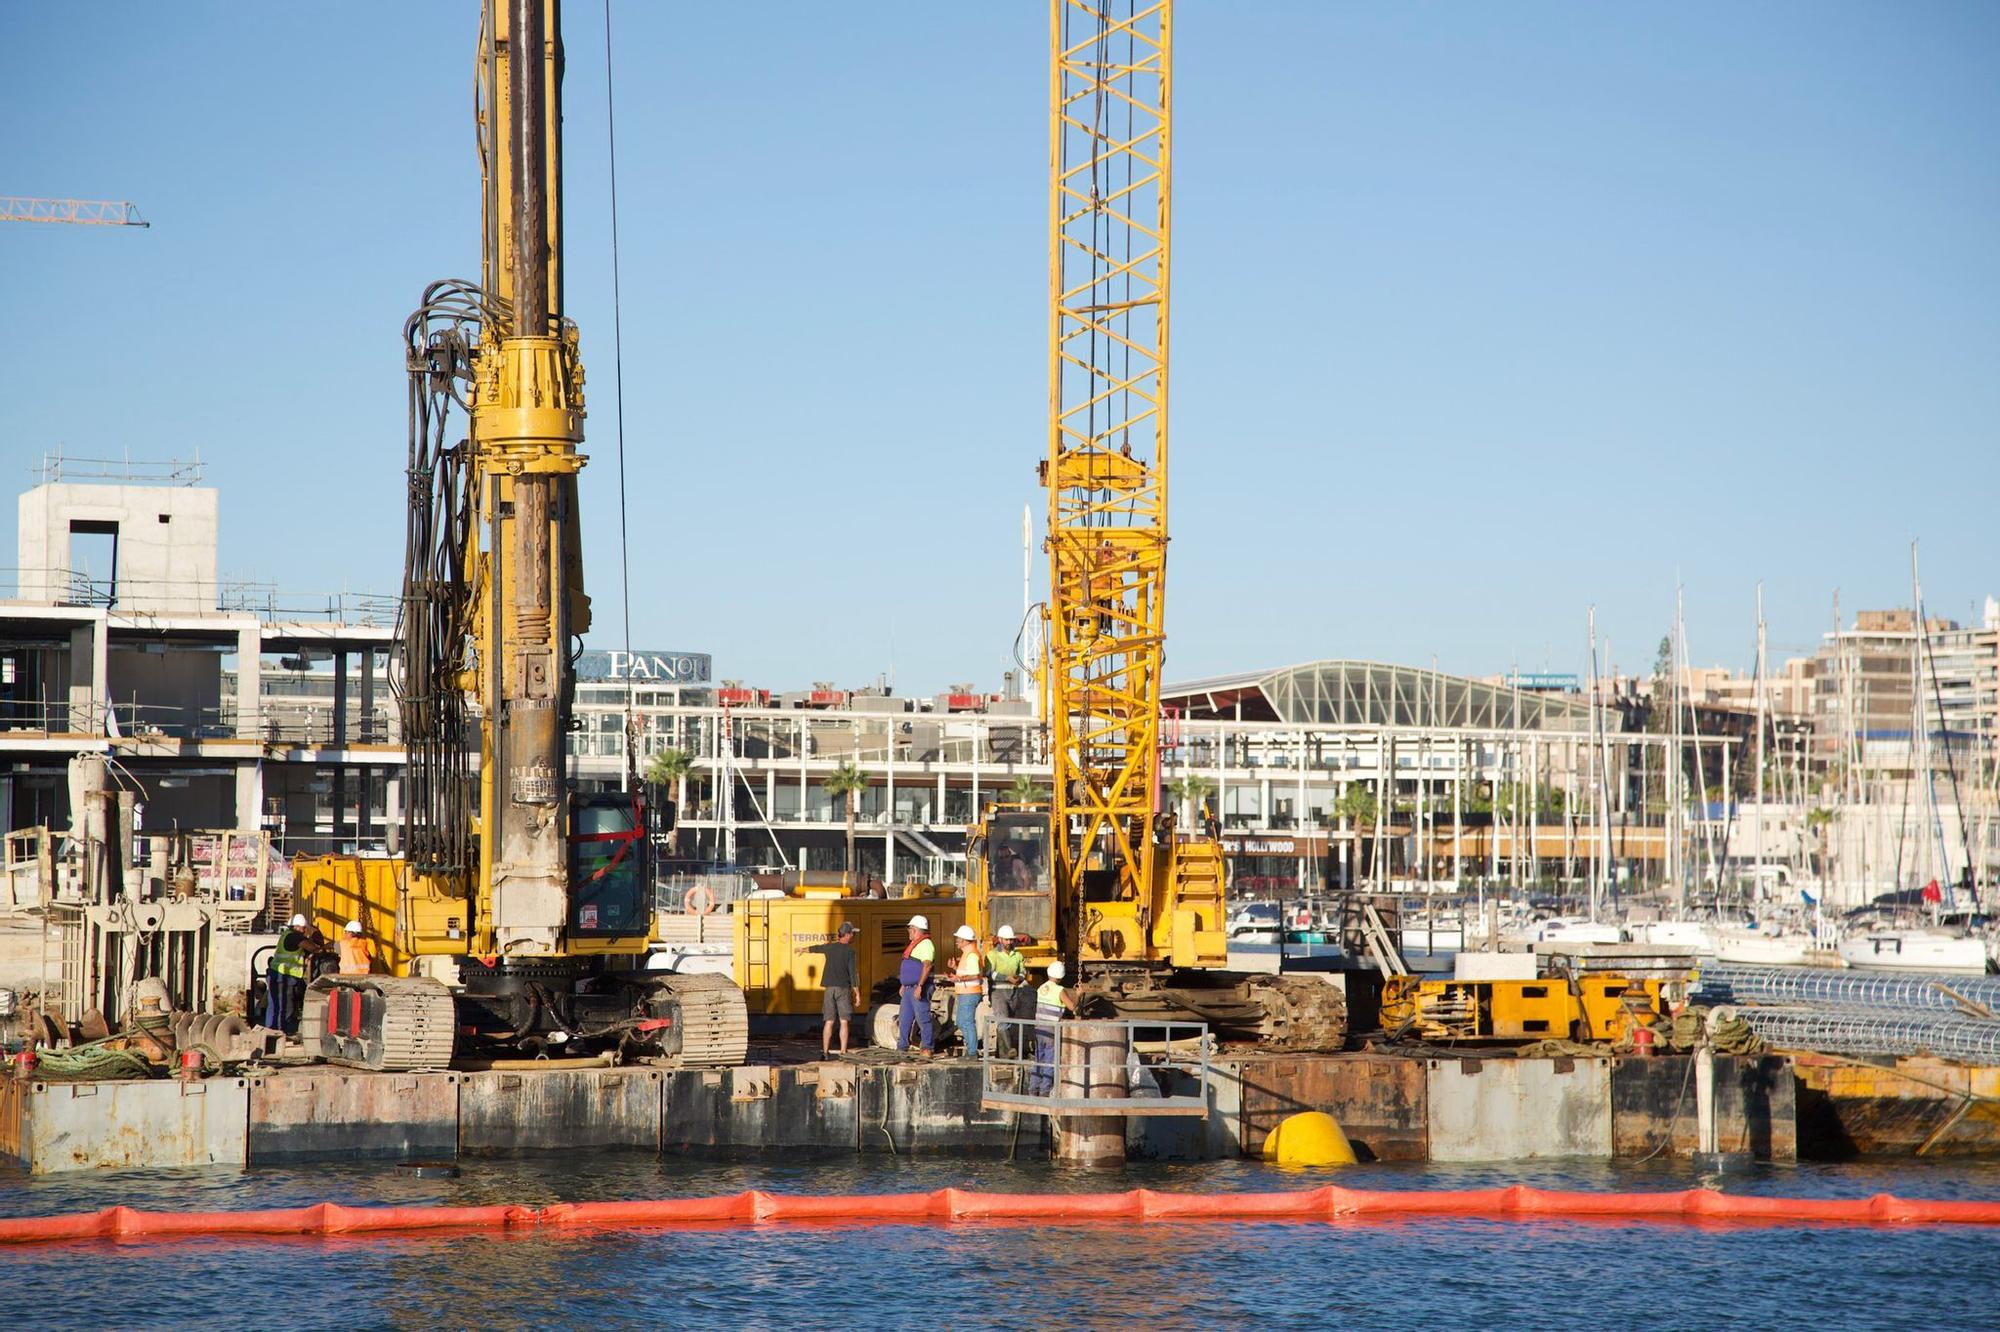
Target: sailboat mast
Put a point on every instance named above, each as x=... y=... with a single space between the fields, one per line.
x=1757 y=836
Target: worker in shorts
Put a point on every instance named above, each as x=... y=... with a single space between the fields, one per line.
x=841 y=980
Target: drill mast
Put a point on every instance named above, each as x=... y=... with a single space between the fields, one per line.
x=494 y=585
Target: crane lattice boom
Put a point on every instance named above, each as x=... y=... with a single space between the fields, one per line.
x=80 y=212
x=1107 y=444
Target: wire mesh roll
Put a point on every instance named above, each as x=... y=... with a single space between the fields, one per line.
x=1863 y=1031
x=1906 y=991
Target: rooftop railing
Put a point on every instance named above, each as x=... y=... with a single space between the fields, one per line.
x=81 y=588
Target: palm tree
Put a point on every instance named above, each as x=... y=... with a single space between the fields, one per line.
x=1818 y=821
x=1357 y=806
x=1025 y=790
x=848 y=782
x=669 y=769
x=1190 y=791
x=1357 y=803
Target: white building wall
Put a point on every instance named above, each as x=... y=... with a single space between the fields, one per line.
x=166 y=545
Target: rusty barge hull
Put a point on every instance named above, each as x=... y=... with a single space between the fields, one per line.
x=1907 y=1106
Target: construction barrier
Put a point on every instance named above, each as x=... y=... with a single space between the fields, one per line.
x=949 y=1205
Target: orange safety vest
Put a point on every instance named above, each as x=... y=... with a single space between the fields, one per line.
x=972 y=981
x=357 y=957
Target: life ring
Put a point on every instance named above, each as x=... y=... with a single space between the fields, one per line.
x=698 y=901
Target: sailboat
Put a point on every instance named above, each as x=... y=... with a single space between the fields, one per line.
x=1936 y=947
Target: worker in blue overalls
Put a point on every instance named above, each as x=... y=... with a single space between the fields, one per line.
x=914 y=976
x=1051 y=1002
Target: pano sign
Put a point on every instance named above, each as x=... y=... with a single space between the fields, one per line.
x=677 y=668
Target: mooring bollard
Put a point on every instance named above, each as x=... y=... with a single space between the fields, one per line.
x=1092 y=1059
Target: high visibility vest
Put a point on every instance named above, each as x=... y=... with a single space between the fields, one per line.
x=289 y=961
x=1049 y=1001
x=970 y=981
x=356 y=957
x=1005 y=965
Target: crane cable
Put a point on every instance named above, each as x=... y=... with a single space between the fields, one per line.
x=631 y=775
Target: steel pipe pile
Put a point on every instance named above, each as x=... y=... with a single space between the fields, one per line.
x=1866 y=1031
x=1902 y=991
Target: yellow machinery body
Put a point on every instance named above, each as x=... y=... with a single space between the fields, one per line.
x=780 y=976
x=404 y=916
x=1595 y=1008
x=1174 y=919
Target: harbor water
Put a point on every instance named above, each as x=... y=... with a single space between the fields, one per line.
x=1411 y=1273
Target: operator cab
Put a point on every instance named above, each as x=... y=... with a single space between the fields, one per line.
x=610 y=865
x=1018 y=877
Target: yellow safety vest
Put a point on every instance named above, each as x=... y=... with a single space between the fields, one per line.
x=288 y=961
x=1049 y=1001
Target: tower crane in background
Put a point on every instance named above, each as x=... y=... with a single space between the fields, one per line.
x=76 y=212
x=538 y=894
x=1100 y=875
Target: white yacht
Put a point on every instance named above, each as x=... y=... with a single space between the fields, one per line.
x=1941 y=951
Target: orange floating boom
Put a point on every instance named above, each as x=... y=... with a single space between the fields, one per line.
x=1330 y=1203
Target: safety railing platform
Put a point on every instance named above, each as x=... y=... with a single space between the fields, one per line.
x=1088 y=1066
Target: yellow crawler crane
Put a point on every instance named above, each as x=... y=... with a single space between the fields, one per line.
x=1100 y=876
x=541 y=895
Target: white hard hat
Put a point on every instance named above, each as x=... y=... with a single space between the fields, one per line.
x=965 y=932
x=920 y=922
x=1006 y=932
x=298 y=922
x=354 y=927
x=1056 y=971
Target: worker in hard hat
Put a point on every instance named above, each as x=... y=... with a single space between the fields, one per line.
x=1052 y=1002
x=914 y=978
x=968 y=987
x=285 y=978
x=840 y=981
x=1013 y=998
x=357 y=955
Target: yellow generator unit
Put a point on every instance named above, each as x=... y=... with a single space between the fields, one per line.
x=1599 y=1008
x=780 y=975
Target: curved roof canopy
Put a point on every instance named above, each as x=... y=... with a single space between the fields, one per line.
x=1368 y=693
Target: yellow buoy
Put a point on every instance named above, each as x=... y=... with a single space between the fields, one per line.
x=1308 y=1138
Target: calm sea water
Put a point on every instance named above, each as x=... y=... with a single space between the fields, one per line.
x=1402 y=1274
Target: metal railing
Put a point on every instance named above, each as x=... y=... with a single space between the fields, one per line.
x=58 y=586
x=722 y=887
x=1090 y=1066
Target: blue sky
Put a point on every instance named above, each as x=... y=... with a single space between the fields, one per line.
x=1482 y=313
